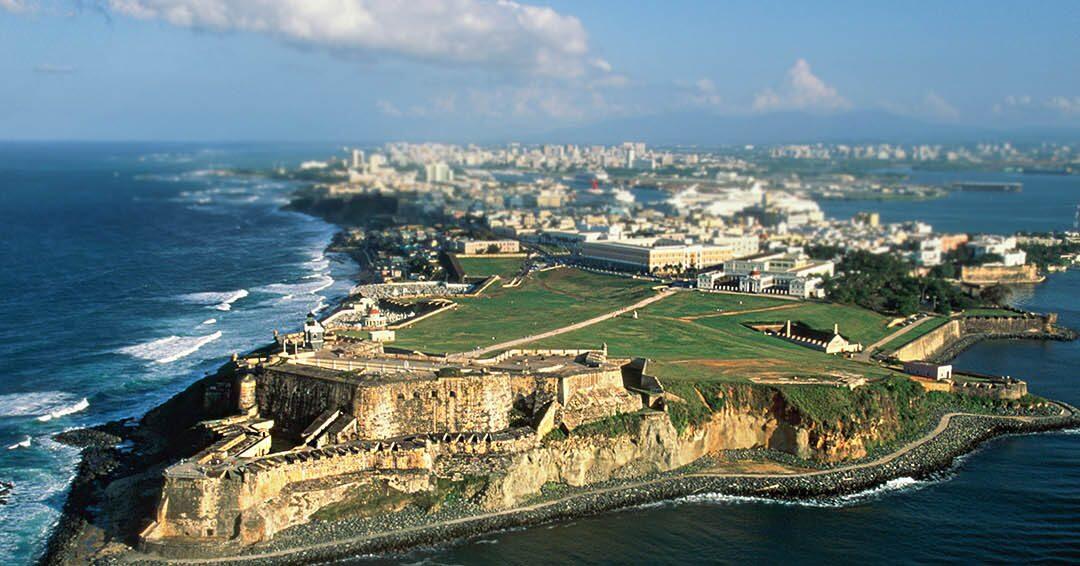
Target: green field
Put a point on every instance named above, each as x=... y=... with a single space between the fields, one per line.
x=505 y=267
x=910 y=336
x=545 y=301
x=720 y=346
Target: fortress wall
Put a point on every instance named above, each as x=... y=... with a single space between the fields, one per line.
x=573 y=385
x=197 y=507
x=937 y=340
x=999 y=273
x=929 y=344
x=445 y=404
x=1004 y=324
x=293 y=401
x=201 y=507
x=525 y=385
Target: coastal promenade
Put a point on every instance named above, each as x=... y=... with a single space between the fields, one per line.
x=956 y=433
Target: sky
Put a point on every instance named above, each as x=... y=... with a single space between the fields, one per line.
x=474 y=70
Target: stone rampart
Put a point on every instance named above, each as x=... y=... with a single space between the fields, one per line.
x=294 y=400
x=937 y=342
x=442 y=404
x=929 y=344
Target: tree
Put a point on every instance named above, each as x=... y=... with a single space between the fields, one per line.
x=995 y=294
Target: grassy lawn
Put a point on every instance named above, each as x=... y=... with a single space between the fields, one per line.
x=720 y=347
x=546 y=301
x=505 y=267
x=710 y=304
x=910 y=336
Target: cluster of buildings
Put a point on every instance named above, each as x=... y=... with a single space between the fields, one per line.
x=1042 y=153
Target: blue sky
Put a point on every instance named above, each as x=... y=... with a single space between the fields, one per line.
x=470 y=69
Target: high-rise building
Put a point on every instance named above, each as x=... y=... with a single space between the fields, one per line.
x=438 y=172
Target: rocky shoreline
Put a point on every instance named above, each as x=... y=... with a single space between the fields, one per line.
x=962 y=435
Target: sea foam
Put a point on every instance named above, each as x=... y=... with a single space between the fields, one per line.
x=220 y=300
x=82 y=405
x=169 y=349
x=34 y=403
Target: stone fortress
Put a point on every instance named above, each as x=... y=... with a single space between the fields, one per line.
x=322 y=415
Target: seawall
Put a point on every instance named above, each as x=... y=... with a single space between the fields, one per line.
x=948 y=340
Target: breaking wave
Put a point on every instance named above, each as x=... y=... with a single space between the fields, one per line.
x=170 y=349
x=209 y=321
x=65 y=411
x=893 y=485
x=24 y=443
x=221 y=301
x=293 y=289
x=35 y=403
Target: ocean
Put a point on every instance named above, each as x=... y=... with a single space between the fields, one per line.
x=130 y=270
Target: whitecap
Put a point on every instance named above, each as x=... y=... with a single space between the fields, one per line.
x=209 y=321
x=34 y=403
x=24 y=443
x=65 y=411
x=221 y=300
x=169 y=349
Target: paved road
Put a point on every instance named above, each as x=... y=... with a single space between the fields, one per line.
x=941 y=426
x=570 y=328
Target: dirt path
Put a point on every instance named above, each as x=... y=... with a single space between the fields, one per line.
x=569 y=328
x=864 y=356
x=733 y=313
x=941 y=426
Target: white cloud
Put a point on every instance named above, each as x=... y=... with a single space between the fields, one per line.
x=938 y=107
x=1059 y=105
x=802 y=91
x=705 y=93
x=503 y=34
x=15 y=5
x=1064 y=104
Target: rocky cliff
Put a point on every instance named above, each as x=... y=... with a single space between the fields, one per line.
x=750 y=416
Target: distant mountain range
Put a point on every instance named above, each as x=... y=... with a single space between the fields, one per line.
x=701 y=128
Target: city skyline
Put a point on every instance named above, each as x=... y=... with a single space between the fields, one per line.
x=478 y=71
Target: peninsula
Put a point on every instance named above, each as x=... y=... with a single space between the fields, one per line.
x=475 y=381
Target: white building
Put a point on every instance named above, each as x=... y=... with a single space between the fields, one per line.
x=438 y=172
x=771 y=273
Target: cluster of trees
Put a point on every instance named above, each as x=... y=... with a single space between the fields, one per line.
x=883 y=282
x=1055 y=254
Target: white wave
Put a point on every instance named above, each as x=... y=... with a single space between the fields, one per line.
x=170 y=349
x=209 y=321
x=893 y=485
x=65 y=411
x=298 y=288
x=24 y=443
x=221 y=300
x=34 y=403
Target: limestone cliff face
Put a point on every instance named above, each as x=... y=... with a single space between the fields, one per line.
x=585 y=460
x=750 y=419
